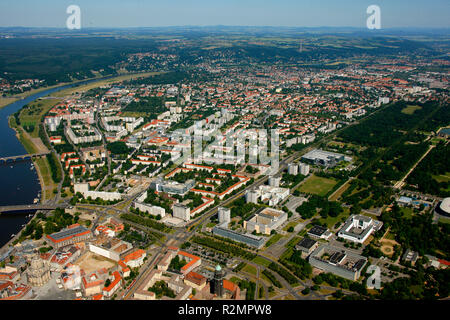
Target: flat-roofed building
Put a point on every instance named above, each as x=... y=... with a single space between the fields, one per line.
x=358 y=228
x=304 y=169
x=248 y=239
x=307 y=245
x=265 y=221
x=111 y=248
x=319 y=232
x=340 y=262
x=324 y=158
x=172 y=187
x=182 y=212
x=251 y=196
x=293 y=168
x=224 y=215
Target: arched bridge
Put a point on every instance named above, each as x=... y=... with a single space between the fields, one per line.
x=22 y=157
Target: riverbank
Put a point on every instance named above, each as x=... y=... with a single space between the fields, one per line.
x=5 y=101
x=31 y=142
x=99 y=83
x=38 y=164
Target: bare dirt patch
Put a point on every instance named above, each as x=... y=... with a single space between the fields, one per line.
x=90 y=262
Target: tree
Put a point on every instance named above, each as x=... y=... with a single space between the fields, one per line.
x=338 y=294
x=306 y=291
x=355 y=209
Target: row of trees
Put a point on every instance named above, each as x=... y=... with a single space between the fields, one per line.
x=283 y=272
x=272 y=278
x=146 y=222
x=220 y=246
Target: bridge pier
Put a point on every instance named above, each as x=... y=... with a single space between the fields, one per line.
x=24 y=157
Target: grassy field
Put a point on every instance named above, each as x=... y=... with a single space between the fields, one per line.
x=317 y=185
x=442 y=177
x=235 y=280
x=275 y=238
x=45 y=176
x=292 y=242
x=32 y=114
x=261 y=261
x=250 y=269
x=339 y=191
x=331 y=221
x=444 y=219
x=407 y=212
x=411 y=109
x=290 y=224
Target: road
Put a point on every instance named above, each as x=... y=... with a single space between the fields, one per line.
x=401 y=183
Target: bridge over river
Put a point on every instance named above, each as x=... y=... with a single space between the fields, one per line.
x=31 y=207
x=22 y=157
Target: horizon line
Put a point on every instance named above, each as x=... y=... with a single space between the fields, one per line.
x=226 y=26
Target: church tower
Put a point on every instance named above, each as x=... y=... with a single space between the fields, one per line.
x=217 y=282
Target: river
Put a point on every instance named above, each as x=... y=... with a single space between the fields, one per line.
x=19 y=180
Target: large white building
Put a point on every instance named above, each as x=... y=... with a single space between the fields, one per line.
x=358 y=228
x=292 y=168
x=224 y=215
x=274 y=195
x=83 y=136
x=182 y=212
x=304 y=169
x=251 y=196
x=83 y=188
x=149 y=208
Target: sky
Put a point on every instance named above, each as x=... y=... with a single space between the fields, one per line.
x=298 y=13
